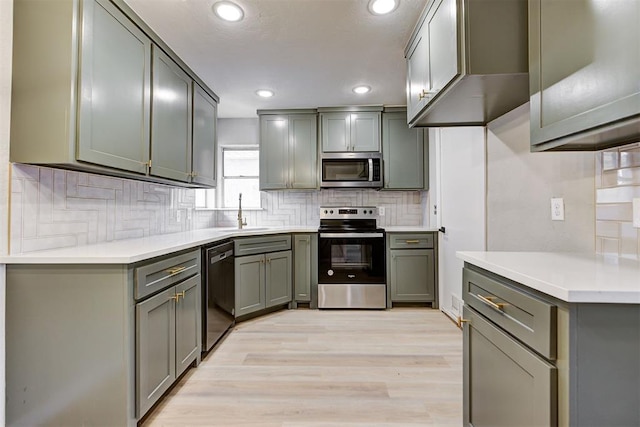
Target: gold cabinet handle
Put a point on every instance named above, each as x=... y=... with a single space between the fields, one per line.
x=460 y=321
x=174 y=297
x=175 y=270
x=412 y=242
x=180 y=294
x=487 y=301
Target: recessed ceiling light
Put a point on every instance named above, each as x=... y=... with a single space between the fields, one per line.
x=381 y=7
x=360 y=90
x=228 y=11
x=265 y=93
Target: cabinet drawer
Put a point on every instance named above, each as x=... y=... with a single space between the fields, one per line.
x=156 y=276
x=262 y=245
x=526 y=317
x=409 y=241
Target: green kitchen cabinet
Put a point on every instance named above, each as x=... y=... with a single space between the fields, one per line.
x=171 y=117
x=115 y=78
x=305 y=266
x=112 y=97
x=249 y=284
x=117 y=334
x=263 y=267
x=205 y=114
x=584 y=58
x=467 y=62
x=411 y=264
x=288 y=149
x=357 y=129
x=168 y=336
x=403 y=153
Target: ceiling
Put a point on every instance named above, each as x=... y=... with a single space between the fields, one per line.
x=311 y=53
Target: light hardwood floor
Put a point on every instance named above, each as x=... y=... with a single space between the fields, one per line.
x=399 y=367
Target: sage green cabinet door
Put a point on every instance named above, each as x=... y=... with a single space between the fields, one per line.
x=249 y=284
x=336 y=132
x=444 y=65
x=305 y=267
x=303 y=147
x=278 y=283
x=412 y=275
x=155 y=348
x=417 y=73
x=115 y=76
x=274 y=152
x=402 y=153
x=188 y=332
x=497 y=368
x=205 y=116
x=365 y=131
x=584 y=58
x=171 y=119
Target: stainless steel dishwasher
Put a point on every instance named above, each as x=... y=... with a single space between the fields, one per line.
x=218 y=293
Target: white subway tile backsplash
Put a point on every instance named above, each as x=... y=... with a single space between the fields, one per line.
x=617 y=184
x=55 y=208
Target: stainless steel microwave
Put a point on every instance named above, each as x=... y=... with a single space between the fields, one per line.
x=349 y=170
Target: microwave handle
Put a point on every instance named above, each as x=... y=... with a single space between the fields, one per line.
x=370 y=170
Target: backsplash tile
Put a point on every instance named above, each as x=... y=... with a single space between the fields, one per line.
x=55 y=208
x=617 y=184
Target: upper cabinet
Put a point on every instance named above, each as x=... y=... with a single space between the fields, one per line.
x=205 y=115
x=403 y=153
x=584 y=74
x=95 y=89
x=467 y=62
x=171 y=116
x=357 y=129
x=288 y=149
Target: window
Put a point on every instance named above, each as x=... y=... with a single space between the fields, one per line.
x=239 y=174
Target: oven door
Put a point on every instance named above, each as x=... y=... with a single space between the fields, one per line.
x=345 y=258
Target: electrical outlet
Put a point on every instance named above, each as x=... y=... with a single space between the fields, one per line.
x=178 y=215
x=381 y=210
x=557 y=209
x=189 y=214
x=636 y=212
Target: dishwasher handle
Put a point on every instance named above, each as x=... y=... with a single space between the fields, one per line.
x=220 y=256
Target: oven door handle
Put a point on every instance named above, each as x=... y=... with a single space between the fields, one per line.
x=350 y=235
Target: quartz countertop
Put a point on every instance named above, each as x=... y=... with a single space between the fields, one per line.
x=570 y=277
x=134 y=250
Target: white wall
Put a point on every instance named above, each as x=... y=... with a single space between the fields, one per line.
x=520 y=185
x=6 y=30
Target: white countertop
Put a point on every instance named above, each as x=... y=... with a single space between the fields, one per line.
x=570 y=277
x=134 y=250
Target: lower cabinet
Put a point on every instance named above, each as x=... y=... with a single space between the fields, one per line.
x=167 y=339
x=262 y=280
x=500 y=369
x=305 y=269
x=411 y=267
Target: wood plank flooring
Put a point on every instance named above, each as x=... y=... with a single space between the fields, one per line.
x=318 y=368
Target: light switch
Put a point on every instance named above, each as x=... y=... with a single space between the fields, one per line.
x=557 y=209
x=636 y=212
x=178 y=215
x=381 y=210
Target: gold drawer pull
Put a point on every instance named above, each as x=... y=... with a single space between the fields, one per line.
x=176 y=270
x=460 y=321
x=409 y=242
x=487 y=301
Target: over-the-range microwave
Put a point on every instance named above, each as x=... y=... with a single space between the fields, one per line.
x=351 y=170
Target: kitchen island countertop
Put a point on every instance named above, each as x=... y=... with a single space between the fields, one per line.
x=569 y=277
x=133 y=250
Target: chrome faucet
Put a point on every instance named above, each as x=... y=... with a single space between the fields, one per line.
x=240 y=222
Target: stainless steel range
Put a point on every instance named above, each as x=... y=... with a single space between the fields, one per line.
x=351 y=259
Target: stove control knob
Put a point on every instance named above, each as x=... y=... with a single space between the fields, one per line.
x=371 y=212
x=330 y=212
x=326 y=211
